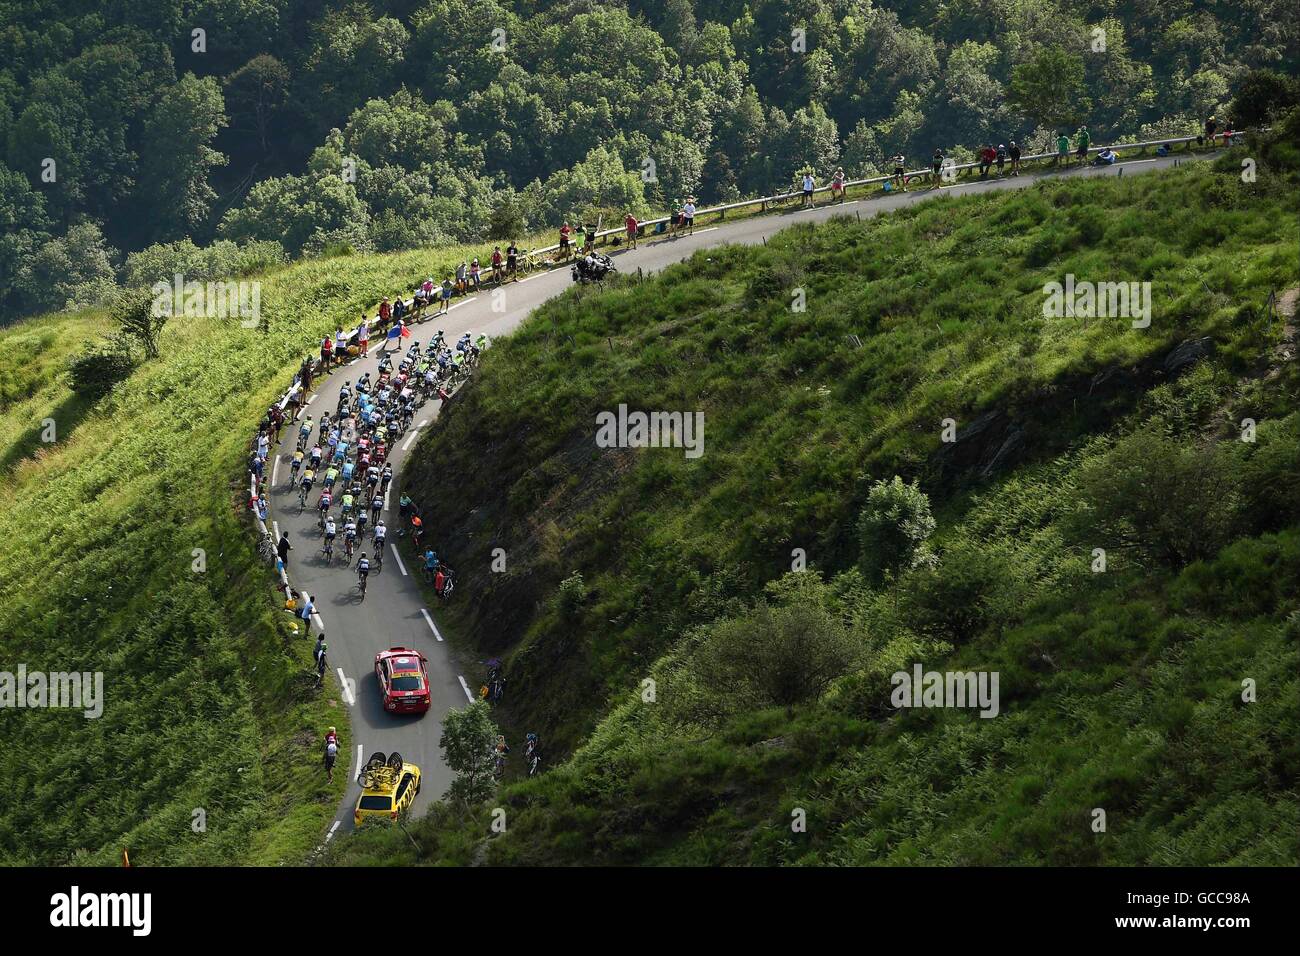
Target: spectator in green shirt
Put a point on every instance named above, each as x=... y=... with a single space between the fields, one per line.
x=1062 y=149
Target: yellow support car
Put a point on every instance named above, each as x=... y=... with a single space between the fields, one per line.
x=388 y=787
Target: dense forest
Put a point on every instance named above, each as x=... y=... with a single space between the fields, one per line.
x=280 y=128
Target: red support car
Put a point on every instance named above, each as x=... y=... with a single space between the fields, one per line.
x=404 y=680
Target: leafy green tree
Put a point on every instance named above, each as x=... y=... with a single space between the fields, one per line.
x=1049 y=88
x=467 y=741
x=74 y=268
x=255 y=94
x=177 y=156
x=1262 y=97
x=136 y=318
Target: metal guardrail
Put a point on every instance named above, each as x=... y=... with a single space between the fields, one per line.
x=764 y=201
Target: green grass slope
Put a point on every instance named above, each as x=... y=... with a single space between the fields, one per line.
x=1120 y=691
x=209 y=700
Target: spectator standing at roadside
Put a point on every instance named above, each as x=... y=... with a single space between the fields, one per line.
x=331 y=748
x=496 y=264
x=900 y=171
x=1002 y=157
x=565 y=232
x=340 y=346
x=385 y=312
x=1211 y=125
x=837 y=185
x=462 y=271
x=688 y=215
x=474 y=270
x=1062 y=150
x=987 y=155
x=809 y=184
x=283 y=547
x=363 y=335
x=936 y=164
x=632 y=225
x=326 y=352
x=1014 y=152
x=1081 y=145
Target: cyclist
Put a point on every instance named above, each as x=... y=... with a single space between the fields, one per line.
x=361 y=522
x=900 y=171
x=386 y=479
x=348 y=500
x=363 y=571
x=381 y=533
x=316 y=454
x=331 y=476
x=345 y=393
x=330 y=531
x=295 y=467
x=304 y=486
x=376 y=506
x=325 y=503
x=349 y=467
x=304 y=432
x=350 y=537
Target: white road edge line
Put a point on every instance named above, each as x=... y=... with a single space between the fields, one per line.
x=358 y=774
x=400 y=566
x=465 y=688
x=414 y=434
x=432 y=626
x=312 y=399
x=347 y=691
x=275 y=469
x=332 y=829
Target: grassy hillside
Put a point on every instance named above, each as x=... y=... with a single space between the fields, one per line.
x=1120 y=690
x=209 y=701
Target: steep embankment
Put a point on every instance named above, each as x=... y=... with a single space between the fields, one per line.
x=127 y=552
x=1120 y=690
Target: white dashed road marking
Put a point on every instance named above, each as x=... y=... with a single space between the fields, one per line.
x=434 y=627
x=465 y=688
x=400 y=566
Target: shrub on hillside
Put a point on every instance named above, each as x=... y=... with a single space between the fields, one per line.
x=1171 y=502
x=894 y=528
x=569 y=595
x=780 y=655
x=93 y=373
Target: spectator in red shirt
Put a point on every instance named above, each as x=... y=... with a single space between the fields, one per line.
x=987 y=155
x=632 y=226
x=565 y=231
x=496 y=264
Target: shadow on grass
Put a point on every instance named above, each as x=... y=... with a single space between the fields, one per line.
x=67 y=415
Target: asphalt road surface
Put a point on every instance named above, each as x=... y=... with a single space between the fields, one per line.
x=394 y=612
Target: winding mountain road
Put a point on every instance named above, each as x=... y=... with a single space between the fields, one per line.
x=394 y=612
